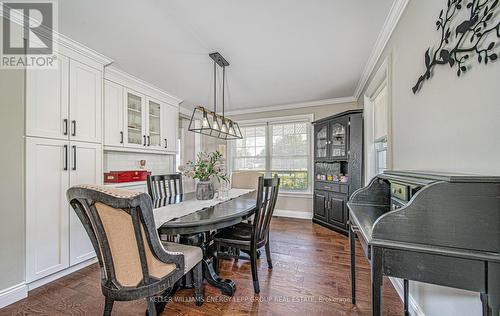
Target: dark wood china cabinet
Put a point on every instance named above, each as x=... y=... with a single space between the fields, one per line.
x=338 y=167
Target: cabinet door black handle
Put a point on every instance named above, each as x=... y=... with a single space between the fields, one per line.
x=74 y=157
x=73 y=124
x=121 y=137
x=65 y=127
x=149 y=141
x=166 y=143
x=144 y=140
x=65 y=168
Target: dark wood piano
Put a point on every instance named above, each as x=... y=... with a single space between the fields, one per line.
x=431 y=227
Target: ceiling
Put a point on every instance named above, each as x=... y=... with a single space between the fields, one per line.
x=280 y=51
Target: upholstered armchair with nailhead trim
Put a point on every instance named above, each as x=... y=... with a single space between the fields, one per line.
x=134 y=262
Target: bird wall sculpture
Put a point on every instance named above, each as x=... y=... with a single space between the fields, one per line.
x=468 y=29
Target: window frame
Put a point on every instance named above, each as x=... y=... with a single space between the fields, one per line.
x=268 y=123
x=382 y=78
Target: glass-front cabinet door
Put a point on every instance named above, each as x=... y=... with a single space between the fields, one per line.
x=135 y=124
x=338 y=138
x=321 y=141
x=154 y=125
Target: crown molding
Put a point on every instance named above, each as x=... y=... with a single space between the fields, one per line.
x=397 y=9
x=123 y=78
x=77 y=47
x=292 y=106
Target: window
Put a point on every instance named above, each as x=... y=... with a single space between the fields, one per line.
x=276 y=148
x=290 y=155
x=380 y=128
x=250 y=152
x=377 y=122
x=381 y=155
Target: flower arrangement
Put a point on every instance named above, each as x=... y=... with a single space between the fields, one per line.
x=207 y=166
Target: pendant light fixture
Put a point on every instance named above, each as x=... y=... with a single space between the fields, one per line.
x=213 y=124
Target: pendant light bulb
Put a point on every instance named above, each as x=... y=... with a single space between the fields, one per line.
x=205 y=123
x=216 y=123
x=223 y=129
x=231 y=129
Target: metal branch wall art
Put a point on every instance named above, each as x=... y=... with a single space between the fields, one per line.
x=468 y=29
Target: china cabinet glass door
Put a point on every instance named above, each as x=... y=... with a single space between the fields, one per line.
x=154 y=126
x=321 y=139
x=135 y=134
x=338 y=139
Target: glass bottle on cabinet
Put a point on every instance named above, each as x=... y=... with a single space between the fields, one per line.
x=321 y=139
x=154 y=124
x=134 y=119
x=338 y=137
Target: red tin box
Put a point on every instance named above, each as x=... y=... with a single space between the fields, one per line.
x=125 y=176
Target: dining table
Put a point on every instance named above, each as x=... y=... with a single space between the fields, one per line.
x=195 y=222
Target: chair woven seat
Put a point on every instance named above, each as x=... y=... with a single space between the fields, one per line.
x=192 y=254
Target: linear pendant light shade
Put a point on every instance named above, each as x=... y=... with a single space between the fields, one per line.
x=213 y=124
x=228 y=130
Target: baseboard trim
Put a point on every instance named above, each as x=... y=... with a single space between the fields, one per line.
x=415 y=309
x=13 y=294
x=293 y=214
x=33 y=285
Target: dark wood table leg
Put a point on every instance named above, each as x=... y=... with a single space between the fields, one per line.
x=406 y=290
x=352 y=245
x=226 y=286
x=377 y=281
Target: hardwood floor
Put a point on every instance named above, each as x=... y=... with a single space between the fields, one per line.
x=310 y=277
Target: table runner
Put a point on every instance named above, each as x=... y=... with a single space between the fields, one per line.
x=166 y=213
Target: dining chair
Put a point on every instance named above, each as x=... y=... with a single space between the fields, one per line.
x=134 y=263
x=246 y=180
x=250 y=237
x=165 y=185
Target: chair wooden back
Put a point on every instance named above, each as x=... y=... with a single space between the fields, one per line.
x=166 y=185
x=121 y=228
x=267 y=194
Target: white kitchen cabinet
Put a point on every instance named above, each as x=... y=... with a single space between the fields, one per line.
x=56 y=238
x=85 y=168
x=47 y=111
x=65 y=102
x=154 y=124
x=47 y=211
x=135 y=131
x=85 y=99
x=170 y=126
x=63 y=117
x=113 y=114
x=150 y=115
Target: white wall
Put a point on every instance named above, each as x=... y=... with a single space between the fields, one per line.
x=452 y=124
x=12 y=228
